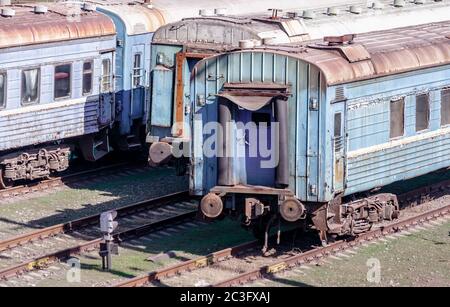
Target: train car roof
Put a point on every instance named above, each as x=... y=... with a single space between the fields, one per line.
x=292 y=27
x=146 y=16
x=371 y=55
x=176 y=10
x=137 y=16
x=20 y=25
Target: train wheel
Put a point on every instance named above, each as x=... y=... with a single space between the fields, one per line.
x=4 y=183
x=211 y=206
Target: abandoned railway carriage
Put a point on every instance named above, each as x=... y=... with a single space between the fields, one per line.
x=55 y=85
x=81 y=86
x=178 y=46
x=341 y=116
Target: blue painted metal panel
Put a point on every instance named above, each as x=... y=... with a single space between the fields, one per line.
x=162 y=96
x=372 y=159
x=47 y=122
x=50 y=120
x=304 y=148
x=375 y=160
x=397 y=162
x=131 y=101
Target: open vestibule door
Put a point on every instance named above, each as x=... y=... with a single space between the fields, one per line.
x=254 y=144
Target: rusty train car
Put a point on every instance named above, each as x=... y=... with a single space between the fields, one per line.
x=178 y=46
x=55 y=75
x=341 y=116
x=75 y=78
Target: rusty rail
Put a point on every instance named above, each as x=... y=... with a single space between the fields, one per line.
x=188 y=265
x=44 y=261
x=302 y=258
x=90 y=220
x=334 y=248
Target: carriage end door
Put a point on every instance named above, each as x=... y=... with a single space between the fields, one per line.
x=338 y=145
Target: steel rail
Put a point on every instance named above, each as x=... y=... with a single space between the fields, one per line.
x=90 y=220
x=43 y=261
x=333 y=248
x=189 y=265
x=302 y=258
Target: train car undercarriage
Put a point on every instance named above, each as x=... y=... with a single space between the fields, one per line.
x=263 y=208
x=33 y=164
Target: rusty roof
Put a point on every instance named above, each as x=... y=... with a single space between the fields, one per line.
x=60 y=23
x=376 y=54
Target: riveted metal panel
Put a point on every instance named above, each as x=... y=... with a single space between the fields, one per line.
x=46 y=123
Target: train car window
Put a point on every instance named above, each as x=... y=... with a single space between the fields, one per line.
x=337 y=125
x=445 y=107
x=87 y=78
x=137 y=70
x=397 y=118
x=62 y=81
x=261 y=118
x=30 y=86
x=422 y=112
x=2 y=90
x=106 y=75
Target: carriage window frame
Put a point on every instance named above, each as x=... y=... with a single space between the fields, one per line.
x=395 y=130
x=137 y=71
x=38 y=95
x=445 y=107
x=423 y=122
x=85 y=72
x=5 y=86
x=106 y=80
x=69 y=93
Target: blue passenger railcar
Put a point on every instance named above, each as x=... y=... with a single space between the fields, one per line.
x=55 y=88
x=178 y=46
x=135 y=23
x=342 y=116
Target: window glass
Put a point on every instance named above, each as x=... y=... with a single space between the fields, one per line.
x=2 y=90
x=106 y=75
x=62 y=81
x=87 y=78
x=137 y=70
x=397 y=120
x=445 y=107
x=422 y=112
x=30 y=86
x=337 y=124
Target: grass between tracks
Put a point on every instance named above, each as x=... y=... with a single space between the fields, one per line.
x=419 y=259
x=76 y=201
x=186 y=244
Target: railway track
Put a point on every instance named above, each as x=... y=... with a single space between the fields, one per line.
x=38 y=249
x=244 y=263
x=80 y=176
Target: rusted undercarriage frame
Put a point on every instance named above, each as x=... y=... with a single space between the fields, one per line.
x=333 y=218
x=337 y=218
x=34 y=164
x=255 y=208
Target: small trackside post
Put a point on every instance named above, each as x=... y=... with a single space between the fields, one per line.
x=108 y=247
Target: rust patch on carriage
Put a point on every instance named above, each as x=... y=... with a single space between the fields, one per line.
x=353 y=58
x=60 y=23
